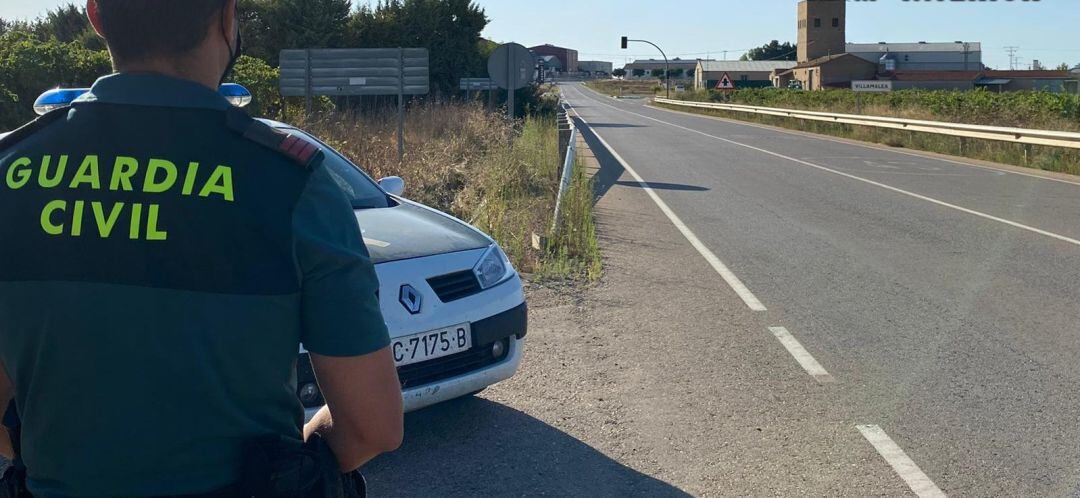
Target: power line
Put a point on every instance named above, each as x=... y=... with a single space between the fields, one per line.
x=1011 y=50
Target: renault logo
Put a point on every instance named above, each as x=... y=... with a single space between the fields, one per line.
x=410 y=299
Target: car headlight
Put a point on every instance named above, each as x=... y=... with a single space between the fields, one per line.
x=493 y=267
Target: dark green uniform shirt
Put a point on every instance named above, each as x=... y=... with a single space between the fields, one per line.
x=158 y=272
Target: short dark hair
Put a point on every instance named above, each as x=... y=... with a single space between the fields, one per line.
x=137 y=30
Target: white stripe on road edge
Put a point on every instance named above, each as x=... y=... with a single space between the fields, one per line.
x=908 y=471
x=802 y=356
x=861 y=179
x=725 y=273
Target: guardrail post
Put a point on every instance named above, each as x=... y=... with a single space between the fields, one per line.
x=564 y=132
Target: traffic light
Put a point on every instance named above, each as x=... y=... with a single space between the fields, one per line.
x=624 y=42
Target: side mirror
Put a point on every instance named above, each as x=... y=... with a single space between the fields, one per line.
x=393 y=185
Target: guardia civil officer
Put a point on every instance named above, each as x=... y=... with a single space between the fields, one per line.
x=162 y=257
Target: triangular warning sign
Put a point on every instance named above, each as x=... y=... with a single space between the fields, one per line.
x=725 y=83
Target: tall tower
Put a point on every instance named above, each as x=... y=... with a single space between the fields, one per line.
x=822 y=25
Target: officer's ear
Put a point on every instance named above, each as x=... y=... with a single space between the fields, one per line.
x=94 y=15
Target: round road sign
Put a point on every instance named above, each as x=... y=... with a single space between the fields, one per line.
x=511 y=66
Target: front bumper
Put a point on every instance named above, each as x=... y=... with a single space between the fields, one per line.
x=425 y=384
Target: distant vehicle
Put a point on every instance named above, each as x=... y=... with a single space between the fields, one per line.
x=454 y=304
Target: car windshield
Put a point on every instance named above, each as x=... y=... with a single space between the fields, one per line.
x=363 y=192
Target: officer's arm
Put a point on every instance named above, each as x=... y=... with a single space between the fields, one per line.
x=7 y=391
x=362 y=416
x=343 y=328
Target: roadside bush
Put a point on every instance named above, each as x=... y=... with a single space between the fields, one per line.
x=29 y=66
x=262 y=80
x=497 y=174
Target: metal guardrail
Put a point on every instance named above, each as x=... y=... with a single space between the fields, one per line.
x=568 y=150
x=1003 y=134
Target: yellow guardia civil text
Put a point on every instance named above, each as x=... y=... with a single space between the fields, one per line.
x=75 y=217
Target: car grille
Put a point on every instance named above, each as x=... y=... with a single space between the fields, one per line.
x=418 y=374
x=454 y=286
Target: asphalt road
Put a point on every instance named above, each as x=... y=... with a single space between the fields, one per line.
x=941 y=297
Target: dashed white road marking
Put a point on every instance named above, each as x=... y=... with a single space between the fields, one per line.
x=900 y=462
x=921 y=197
x=725 y=273
x=805 y=359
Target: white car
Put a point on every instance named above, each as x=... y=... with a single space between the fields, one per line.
x=453 y=303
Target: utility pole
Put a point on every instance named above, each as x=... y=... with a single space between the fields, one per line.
x=1012 y=57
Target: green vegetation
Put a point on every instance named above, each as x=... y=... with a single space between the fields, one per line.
x=500 y=175
x=61 y=49
x=1037 y=110
x=772 y=51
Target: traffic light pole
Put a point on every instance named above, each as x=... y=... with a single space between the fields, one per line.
x=667 y=65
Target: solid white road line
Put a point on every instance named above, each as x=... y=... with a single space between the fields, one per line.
x=802 y=356
x=904 y=466
x=725 y=273
x=861 y=179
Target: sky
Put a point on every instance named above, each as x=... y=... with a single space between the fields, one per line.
x=1042 y=29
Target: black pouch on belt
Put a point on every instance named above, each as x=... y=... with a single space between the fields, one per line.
x=276 y=467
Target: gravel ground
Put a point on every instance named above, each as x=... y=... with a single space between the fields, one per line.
x=653 y=382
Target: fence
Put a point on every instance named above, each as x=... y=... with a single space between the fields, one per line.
x=1024 y=136
x=567 y=151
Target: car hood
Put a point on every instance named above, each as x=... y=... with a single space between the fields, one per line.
x=408 y=231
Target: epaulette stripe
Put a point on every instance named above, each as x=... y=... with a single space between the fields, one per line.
x=296 y=147
x=309 y=151
x=288 y=143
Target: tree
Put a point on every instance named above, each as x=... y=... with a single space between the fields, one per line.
x=657 y=73
x=772 y=51
x=619 y=73
x=261 y=40
x=690 y=73
x=639 y=73
x=310 y=23
x=449 y=29
x=676 y=73
x=1063 y=67
x=66 y=23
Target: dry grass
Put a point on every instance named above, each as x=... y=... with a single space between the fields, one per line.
x=620 y=88
x=500 y=175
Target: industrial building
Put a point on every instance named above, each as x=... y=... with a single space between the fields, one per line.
x=744 y=74
x=568 y=58
x=645 y=67
x=921 y=56
x=826 y=59
x=595 y=68
x=836 y=71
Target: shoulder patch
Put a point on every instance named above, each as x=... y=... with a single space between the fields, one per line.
x=297 y=148
x=24 y=131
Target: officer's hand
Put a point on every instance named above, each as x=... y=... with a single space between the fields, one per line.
x=363 y=413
